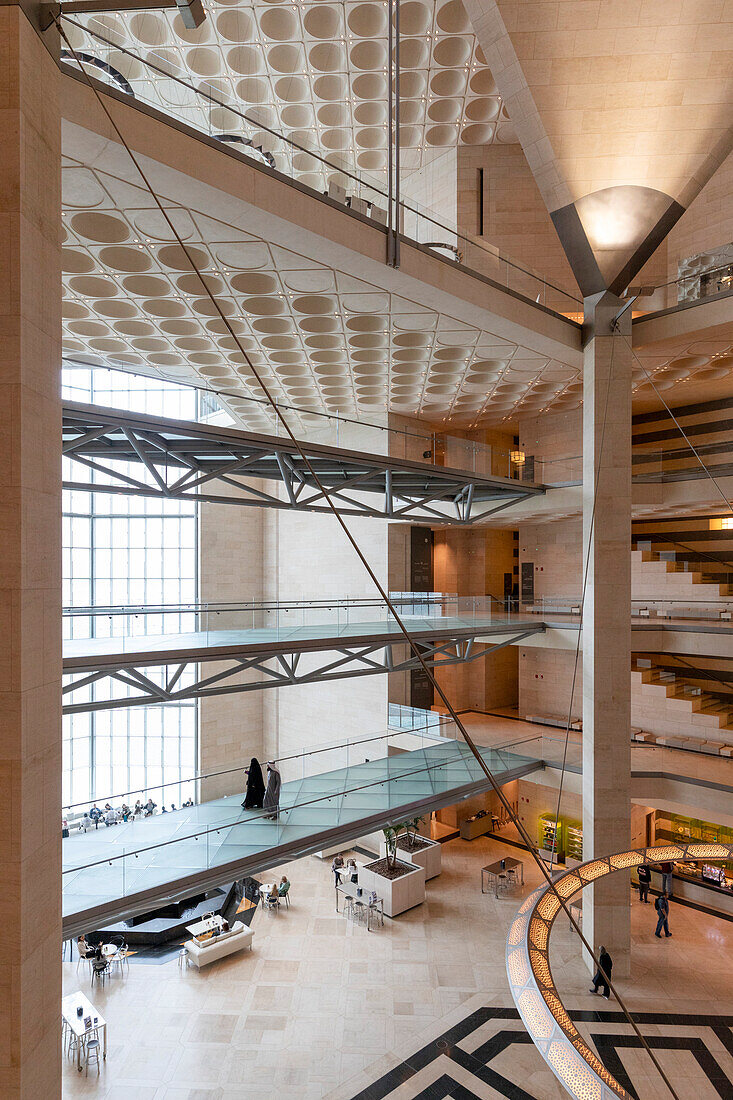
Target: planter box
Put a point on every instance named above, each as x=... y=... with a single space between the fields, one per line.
x=399 y=894
x=429 y=857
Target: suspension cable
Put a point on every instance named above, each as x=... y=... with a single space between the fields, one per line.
x=514 y=817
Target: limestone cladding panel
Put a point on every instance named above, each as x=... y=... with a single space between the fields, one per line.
x=515 y=217
x=308 y=557
x=472 y=562
x=231 y=569
x=556 y=551
x=708 y=222
x=545 y=683
x=556 y=438
x=30 y=565
x=433 y=189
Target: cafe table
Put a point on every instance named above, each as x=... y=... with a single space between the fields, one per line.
x=208 y=924
x=494 y=872
x=78 y=1023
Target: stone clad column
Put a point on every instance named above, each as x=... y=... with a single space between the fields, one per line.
x=607 y=625
x=30 y=565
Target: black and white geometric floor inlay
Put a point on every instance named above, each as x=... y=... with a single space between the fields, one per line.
x=489 y=1054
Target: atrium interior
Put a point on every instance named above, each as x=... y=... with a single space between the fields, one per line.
x=367 y=537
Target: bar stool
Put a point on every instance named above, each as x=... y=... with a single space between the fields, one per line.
x=373 y=914
x=349 y=907
x=93 y=1051
x=183 y=959
x=359 y=908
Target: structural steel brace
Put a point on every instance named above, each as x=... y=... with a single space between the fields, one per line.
x=355 y=659
x=187 y=461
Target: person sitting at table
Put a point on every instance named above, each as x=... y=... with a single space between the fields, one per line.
x=83 y=947
x=138 y=809
x=110 y=817
x=149 y=807
x=125 y=811
x=273 y=897
x=352 y=871
x=337 y=867
x=283 y=886
x=96 y=815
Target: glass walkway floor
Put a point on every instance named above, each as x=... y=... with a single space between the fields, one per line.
x=140 y=668
x=113 y=873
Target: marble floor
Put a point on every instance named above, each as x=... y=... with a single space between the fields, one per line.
x=417 y=1009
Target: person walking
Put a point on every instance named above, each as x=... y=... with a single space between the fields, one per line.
x=662 y=907
x=272 y=794
x=337 y=868
x=645 y=877
x=255 y=792
x=603 y=974
x=666 y=871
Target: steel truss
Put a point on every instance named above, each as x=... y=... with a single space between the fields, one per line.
x=337 y=660
x=187 y=461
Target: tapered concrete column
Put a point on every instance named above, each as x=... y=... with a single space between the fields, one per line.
x=30 y=565
x=606 y=623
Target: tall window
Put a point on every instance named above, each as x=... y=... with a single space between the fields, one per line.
x=120 y=551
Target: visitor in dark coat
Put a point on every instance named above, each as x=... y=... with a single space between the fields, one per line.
x=255 y=792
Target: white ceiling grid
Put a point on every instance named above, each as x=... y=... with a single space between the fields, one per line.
x=323 y=339
x=316 y=73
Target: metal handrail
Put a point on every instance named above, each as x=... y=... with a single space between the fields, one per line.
x=221 y=606
x=240 y=767
x=266 y=814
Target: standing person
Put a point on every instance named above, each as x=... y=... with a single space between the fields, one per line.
x=603 y=974
x=666 y=870
x=336 y=867
x=645 y=877
x=662 y=907
x=255 y=792
x=272 y=794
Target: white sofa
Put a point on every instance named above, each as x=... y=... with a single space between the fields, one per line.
x=226 y=943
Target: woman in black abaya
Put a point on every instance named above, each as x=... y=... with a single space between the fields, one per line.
x=255 y=792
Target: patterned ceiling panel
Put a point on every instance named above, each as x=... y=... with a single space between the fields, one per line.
x=315 y=73
x=323 y=339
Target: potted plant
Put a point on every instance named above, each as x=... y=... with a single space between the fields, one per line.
x=399 y=883
x=404 y=840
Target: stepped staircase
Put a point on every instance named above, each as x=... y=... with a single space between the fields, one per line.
x=676 y=574
x=669 y=706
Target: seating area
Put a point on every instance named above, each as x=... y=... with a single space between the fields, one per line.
x=211 y=946
x=103 y=959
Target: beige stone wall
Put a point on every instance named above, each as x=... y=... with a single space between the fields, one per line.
x=309 y=557
x=515 y=218
x=30 y=565
x=545 y=683
x=472 y=562
x=557 y=553
x=432 y=190
x=707 y=223
x=556 y=443
x=231 y=569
